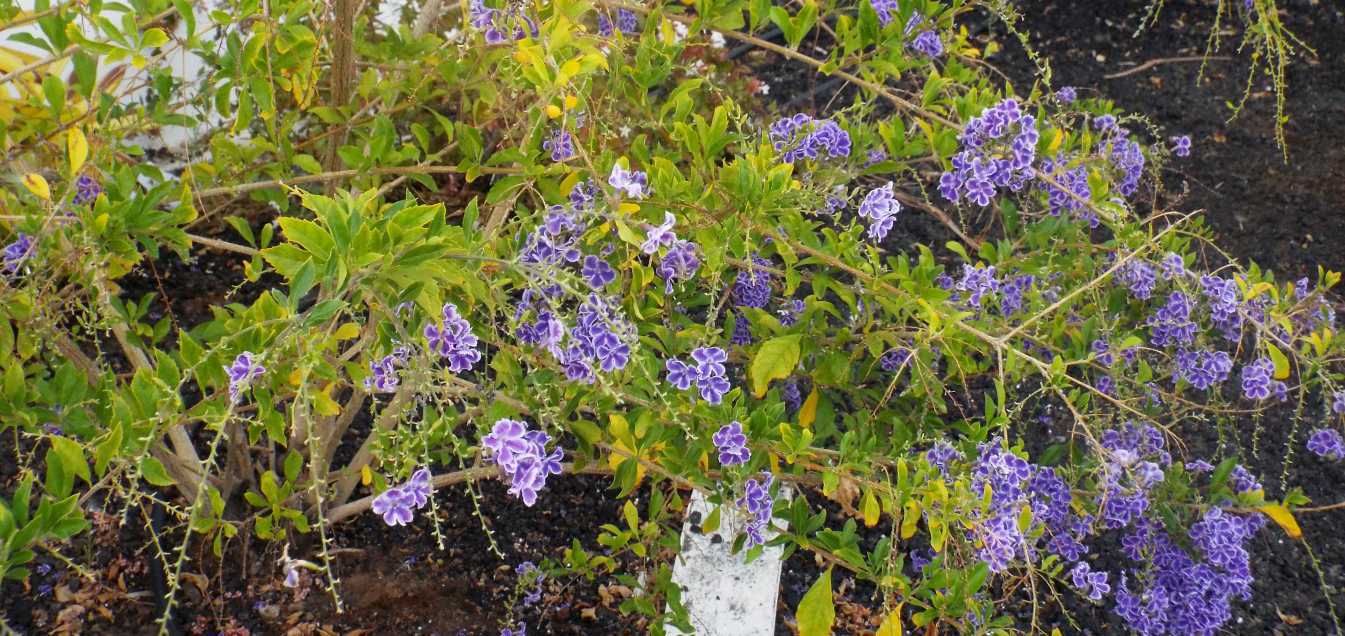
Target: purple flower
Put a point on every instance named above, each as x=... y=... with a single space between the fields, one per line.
x=633 y=183
x=790 y=311
x=680 y=374
x=1094 y=584
x=453 y=339
x=1256 y=382
x=679 y=263
x=612 y=354
x=1338 y=402
x=752 y=287
x=597 y=272
x=16 y=253
x=659 y=235
x=241 y=373
x=383 y=375
x=885 y=9
x=732 y=444
x=560 y=145
x=759 y=504
x=395 y=505
x=522 y=455
x=1181 y=146
x=928 y=43
x=802 y=137
x=1326 y=442
x=627 y=23
x=87 y=190
x=707 y=374
x=880 y=206
x=1067 y=94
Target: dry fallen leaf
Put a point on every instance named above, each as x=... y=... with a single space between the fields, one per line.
x=1289 y=619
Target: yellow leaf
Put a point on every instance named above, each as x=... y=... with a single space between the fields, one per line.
x=627 y=207
x=870 y=509
x=324 y=404
x=775 y=463
x=1056 y=139
x=570 y=102
x=1281 y=515
x=808 y=412
x=366 y=476
x=37 y=185
x=615 y=460
x=910 y=515
x=892 y=624
x=553 y=111
x=567 y=70
x=296 y=377
x=78 y=147
x=347 y=331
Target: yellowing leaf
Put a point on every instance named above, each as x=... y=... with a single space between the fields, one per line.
x=366 y=476
x=37 y=185
x=892 y=624
x=775 y=360
x=1281 y=515
x=1056 y=139
x=324 y=404
x=627 y=207
x=870 y=509
x=78 y=148
x=553 y=111
x=347 y=331
x=910 y=516
x=570 y=102
x=1281 y=362
x=816 y=613
x=808 y=412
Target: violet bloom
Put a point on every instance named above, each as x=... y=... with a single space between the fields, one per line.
x=752 y=287
x=395 y=506
x=1327 y=443
x=731 y=443
x=633 y=183
x=383 y=375
x=291 y=576
x=1256 y=382
x=597 y=272
x=1181 y=146
x=1338 y=402
x=14 y=254
x=928 y=43
x=885 y=9
x=680 y=262
x=560 y=145
x=707 y=374
x=880 y=206
x=659 y=235
x=759 y=503
x=1067 y=94
x=241 y=373
x=523 y=457
x=87 y=190
x=1094 y=584
x=453 y=339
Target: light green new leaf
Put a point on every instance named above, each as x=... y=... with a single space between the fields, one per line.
x=816 y=613
x=775 y=360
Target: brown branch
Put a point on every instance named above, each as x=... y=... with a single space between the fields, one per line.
x=1163 y=60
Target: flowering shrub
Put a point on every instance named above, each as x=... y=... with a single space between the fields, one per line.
x=651 y=275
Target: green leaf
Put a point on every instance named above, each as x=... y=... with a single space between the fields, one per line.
x=775 y=360
x=309 y=235
x=72 y=456
x=1281 y=362
x=153 y=472
x=816 y=613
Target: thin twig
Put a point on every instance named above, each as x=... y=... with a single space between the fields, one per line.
x=1163 y=60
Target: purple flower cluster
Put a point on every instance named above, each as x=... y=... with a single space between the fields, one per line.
x=1171 y=324
x=790 y=310
x=1006 y=476
x=597 y=272
x=978 y=282
x=522 y=455
x=1093 y=584
x=1181 y=593
x=886 y=10
x=1202 y=369
x=893 y=359
x=752 y=286
x=241 y=373
x=87 y=190
x=759 y=504
x=986 y=162
x=1138 y=276
x=802 y=137
x=495 y=22
x=560 y=145
x=1067 y=94
x=731 y=443
x=880 y=207
x=1072 y=191
x=1223 y=297
x=680 y=261
x=707 y=374
x=14 y=254
x=383 y=374
x=1257 y=383
x=397 y=505
x=941 y=454
x=1338 y=402
x=633 y=183
x=1327 y=442
x=453 y=339
x=927 y=42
